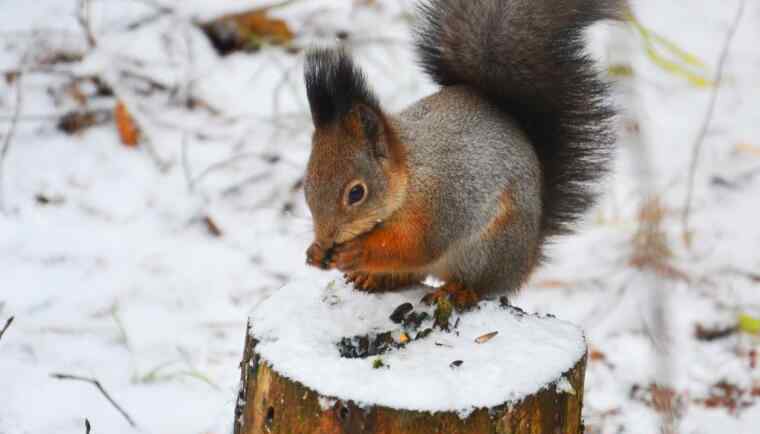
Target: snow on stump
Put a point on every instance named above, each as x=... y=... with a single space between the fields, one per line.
x=336 y=360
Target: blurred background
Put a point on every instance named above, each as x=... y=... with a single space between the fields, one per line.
x=151 y=155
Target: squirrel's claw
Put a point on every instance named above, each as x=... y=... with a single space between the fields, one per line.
x=361 y=280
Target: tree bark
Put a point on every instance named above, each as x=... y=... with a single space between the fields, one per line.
x=269 y=403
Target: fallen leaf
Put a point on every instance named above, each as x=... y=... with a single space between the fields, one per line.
x=212 y=227
x=596 y=355
x=747 y=148
x=703 y=333
x=248 y=30
x=125 y=124
x=749 y=324
x=77 y=121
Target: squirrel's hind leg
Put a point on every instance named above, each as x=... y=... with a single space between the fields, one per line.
x=497 y=261
x=382 y=282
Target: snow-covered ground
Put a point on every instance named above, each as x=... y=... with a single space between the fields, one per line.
x=111 y=269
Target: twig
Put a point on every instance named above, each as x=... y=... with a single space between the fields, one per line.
x=235 y=188
x=155 y=5
x=31 y=118
x=83 y=18
x=279 y=5
x=159 y=11
x=699 y=141
x=7 y=324
x=152 y=83
x=97 y=384
x=223 y=164
x=11 y=131
x=186 y=170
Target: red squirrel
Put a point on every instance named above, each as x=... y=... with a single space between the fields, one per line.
x=469 y=183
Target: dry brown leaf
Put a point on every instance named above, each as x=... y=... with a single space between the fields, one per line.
x=260 y=24
x=212 y=227
x=125 y=124
x=11 y=76
x=596 y=355
x=77 y=121
x=247 y=31
x=705 y=333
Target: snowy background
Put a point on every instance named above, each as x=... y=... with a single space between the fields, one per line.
x=137 y=266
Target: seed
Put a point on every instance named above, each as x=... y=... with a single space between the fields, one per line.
x=486 y=337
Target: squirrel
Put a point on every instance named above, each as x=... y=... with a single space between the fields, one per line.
x=467 y=184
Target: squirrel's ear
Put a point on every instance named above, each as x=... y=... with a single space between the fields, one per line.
x=373 y=129
x=369 y=127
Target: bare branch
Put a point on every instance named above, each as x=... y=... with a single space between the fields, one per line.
x=699 y=141
x=159 y=11
x=253 y=179
x=83 y=18
x=97 y=384
x=7 y=324
x=186 y=170
x=226 y=163
x=11 y=131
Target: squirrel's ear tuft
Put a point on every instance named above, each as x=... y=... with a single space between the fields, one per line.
x=335 y=85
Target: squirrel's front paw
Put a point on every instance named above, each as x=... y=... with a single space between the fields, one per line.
x=349 y=256
x=318 y=256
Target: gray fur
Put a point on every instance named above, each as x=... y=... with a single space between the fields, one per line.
x=465 y=153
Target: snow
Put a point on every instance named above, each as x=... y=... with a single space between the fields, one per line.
x=299 y=326
x=123 y=282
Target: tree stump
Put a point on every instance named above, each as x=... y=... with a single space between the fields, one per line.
x=339 y=361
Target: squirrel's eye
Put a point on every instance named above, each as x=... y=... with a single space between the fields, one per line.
x=356 y=194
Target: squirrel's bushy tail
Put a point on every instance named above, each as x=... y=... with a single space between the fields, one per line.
x=528 y=57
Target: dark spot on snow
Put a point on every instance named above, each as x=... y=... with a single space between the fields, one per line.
x=43 y=199
x=704 y=333
x=363 y=346
x=414 y=320
x=456 y=364
x=514 y=310
x=424 y=333
x=400 y=312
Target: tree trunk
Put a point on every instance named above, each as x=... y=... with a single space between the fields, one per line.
x=270 y=403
